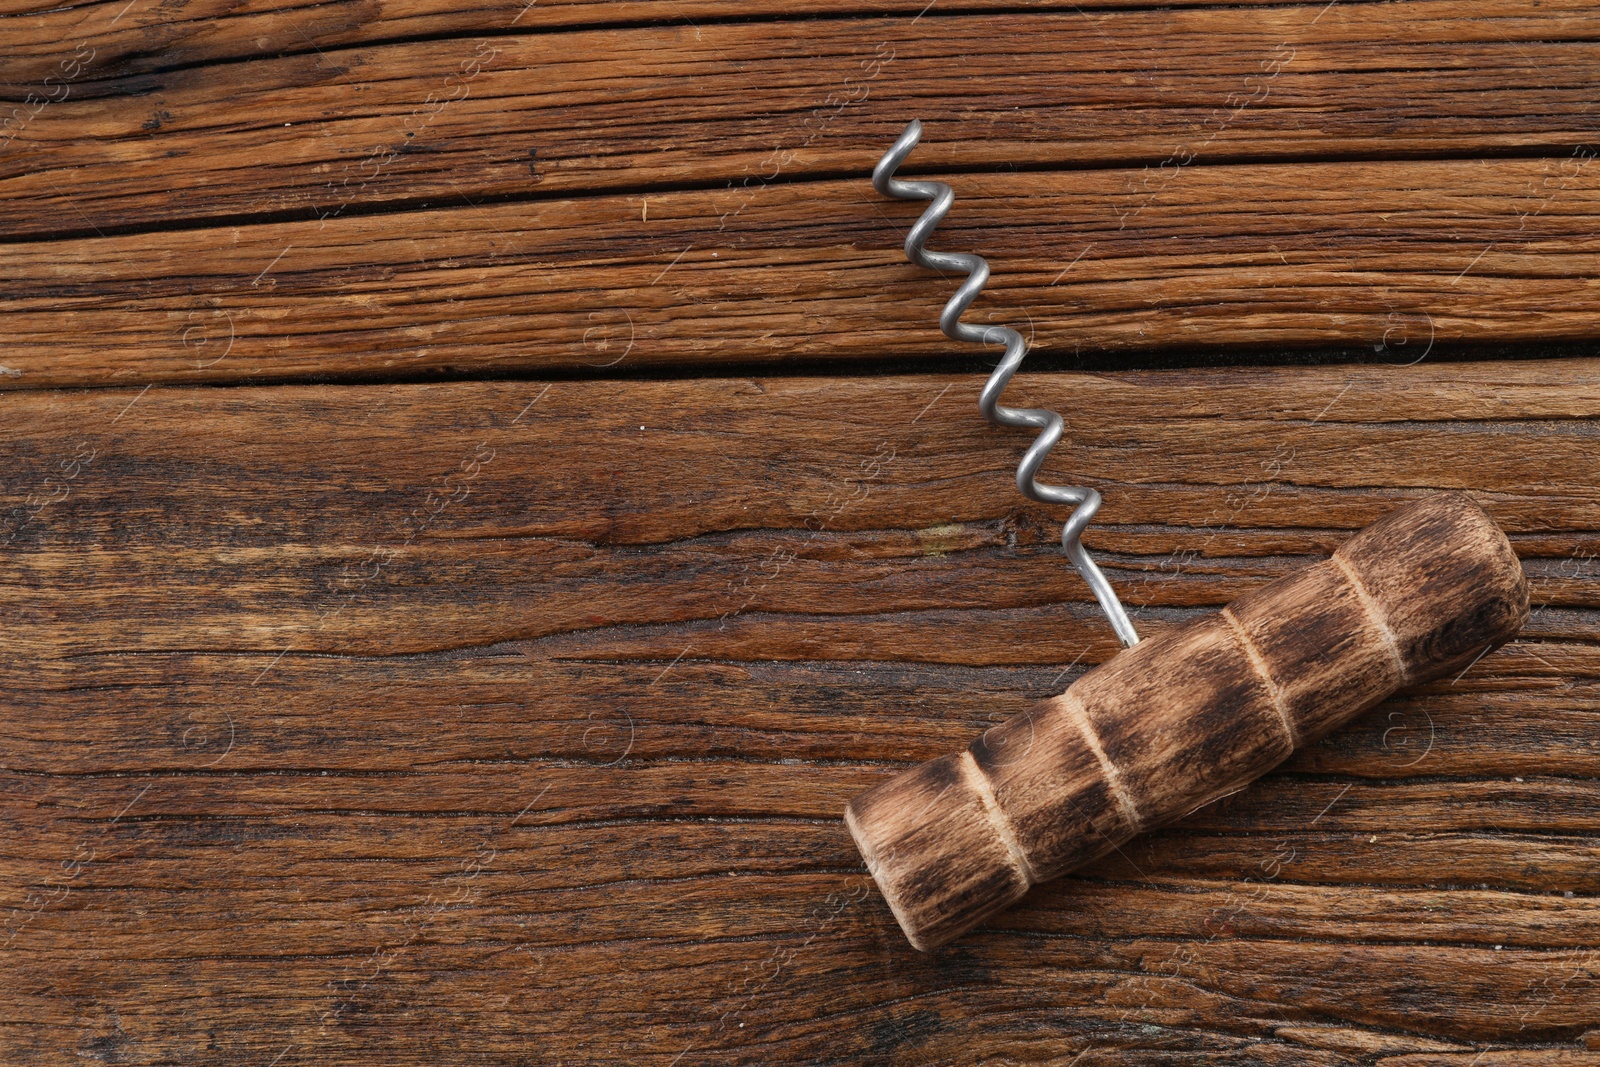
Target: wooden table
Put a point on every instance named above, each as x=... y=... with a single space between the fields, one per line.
x=483 y=488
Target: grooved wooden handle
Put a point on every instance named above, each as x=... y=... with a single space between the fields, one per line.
x=1181 y=719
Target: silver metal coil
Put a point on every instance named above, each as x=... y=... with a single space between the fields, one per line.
x=1050 y=425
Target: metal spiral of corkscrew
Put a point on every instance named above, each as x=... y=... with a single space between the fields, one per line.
x=1049 y=424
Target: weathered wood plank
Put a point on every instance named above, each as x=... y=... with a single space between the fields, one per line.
x=342 y=718
x=410 y=511
x=501 y=723
x=1402 y=256
x=330 y=131
x=143 y=37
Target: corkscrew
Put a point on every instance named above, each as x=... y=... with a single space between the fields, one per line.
x=1177 y=720
x=1050 y=425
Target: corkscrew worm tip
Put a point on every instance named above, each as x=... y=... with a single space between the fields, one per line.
x=1085 y=501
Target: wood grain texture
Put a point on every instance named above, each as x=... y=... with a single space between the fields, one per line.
x=535 y=214
x=142 y=38
x=327 y=132
x=332 y=735
x=1402 y=257
x=426 y=642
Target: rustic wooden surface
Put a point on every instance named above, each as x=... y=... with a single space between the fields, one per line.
x=483 y=491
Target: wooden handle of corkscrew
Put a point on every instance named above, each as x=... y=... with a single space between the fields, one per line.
x=1191 y=715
